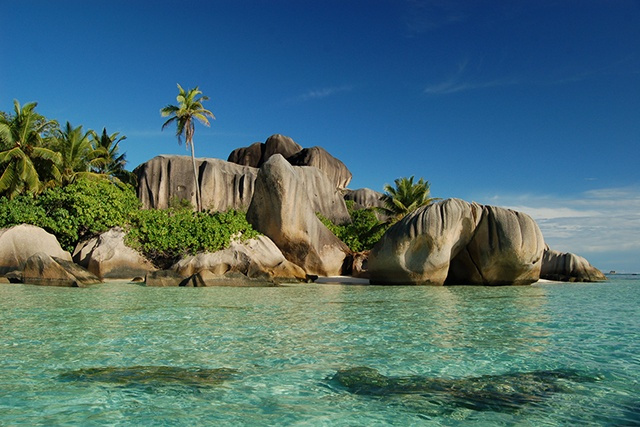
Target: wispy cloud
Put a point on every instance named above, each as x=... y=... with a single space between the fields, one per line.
x=594 y=224
x=321 y=93
x=461 y=81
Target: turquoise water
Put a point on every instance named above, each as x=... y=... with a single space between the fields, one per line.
x=121 y=354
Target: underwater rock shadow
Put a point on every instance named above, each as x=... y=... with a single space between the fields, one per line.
x=151 y=377
x=499 y=393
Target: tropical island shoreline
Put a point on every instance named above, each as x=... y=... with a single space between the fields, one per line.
x=273 y=212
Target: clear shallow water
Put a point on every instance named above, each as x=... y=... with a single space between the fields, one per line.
x=282 y=346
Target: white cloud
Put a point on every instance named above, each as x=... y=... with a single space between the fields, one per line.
x=595 y=224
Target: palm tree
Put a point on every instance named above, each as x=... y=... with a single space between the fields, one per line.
x=405 y=198
x=77 y=154
x=108 y=159
x=27 y=165
x=189 y=107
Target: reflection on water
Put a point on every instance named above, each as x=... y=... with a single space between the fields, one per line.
x=65 y=350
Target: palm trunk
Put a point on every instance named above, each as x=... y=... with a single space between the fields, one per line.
x=195 y=179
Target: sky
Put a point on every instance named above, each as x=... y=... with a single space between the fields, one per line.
x=532 y=105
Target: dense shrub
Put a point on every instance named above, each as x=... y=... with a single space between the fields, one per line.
x=165 y=236
x=22 y=209
x=73 y=212
x=364 y=231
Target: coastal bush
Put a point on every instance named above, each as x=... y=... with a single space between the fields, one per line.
x=362 y=233
x=22 y=209
x=76 y=211
x=165 y=236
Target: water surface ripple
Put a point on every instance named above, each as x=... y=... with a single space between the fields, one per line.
x=121 y=354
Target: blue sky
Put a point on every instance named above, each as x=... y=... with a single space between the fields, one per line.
x=526 y=104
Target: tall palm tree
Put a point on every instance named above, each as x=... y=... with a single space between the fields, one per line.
x=405 y=197
x=189 y=107
x=26 y=163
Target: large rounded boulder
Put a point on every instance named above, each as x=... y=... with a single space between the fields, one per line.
x=44 y=270
x=418 y=249
x=320 y=158
x=568 y=267
x=282 y=209
x=258 y=153
x=108 y=257
x=458 y=243
x=506 y=249
x=20 y=242
x=254 y=258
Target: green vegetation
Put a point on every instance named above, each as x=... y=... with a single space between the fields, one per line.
x=27 y=162
x=405 y=198
x=36 y=154
x=73 y=212
x=74 y=184
x=362 y=233
x=165 y=236
x=189 y=107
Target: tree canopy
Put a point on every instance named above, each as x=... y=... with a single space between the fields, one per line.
x=36 y=153
x=405 y=197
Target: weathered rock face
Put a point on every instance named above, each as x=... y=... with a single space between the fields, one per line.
x=335 y=170
x=282 y=209
x=255 y=258
x=164 y=278
x=419 y=248
x=279 y=144
x=506 y=249
x=364 y=198
x=108 y=257
x=20 y=242
x=208 y=278
x=223 y=185
x=458 y=243
x=568 y=267
x=41 y=269
x=257 y=154
x=248 y=156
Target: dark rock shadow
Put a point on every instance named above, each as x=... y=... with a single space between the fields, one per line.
x=499 y=393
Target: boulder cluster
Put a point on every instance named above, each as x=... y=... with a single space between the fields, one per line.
x=283 y=187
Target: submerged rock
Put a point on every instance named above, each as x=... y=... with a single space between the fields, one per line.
x=154 y=376
x=501 y=393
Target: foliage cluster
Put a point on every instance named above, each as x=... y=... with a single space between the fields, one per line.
x=362 y=233
x=405 y=197
x=165 y=236
x=37 y=153
x=73 y=212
